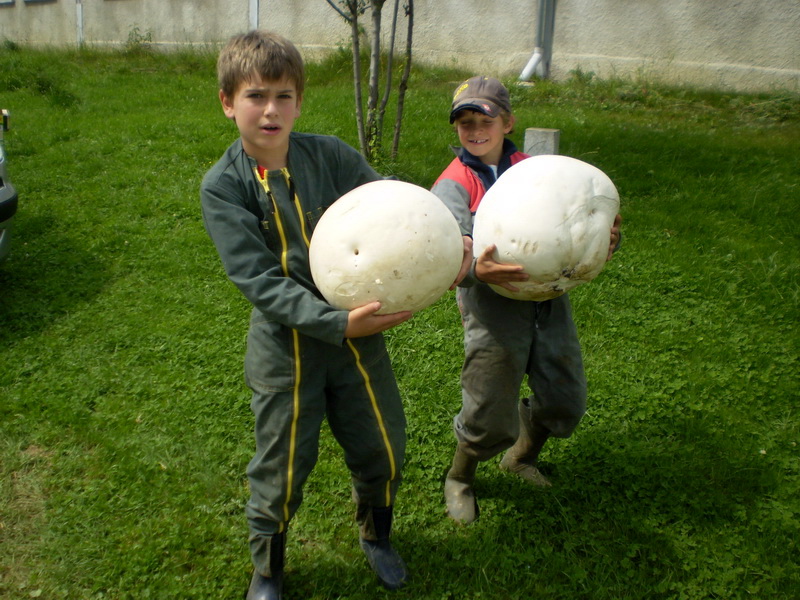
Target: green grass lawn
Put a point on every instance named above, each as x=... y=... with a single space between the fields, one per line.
x=124 y=420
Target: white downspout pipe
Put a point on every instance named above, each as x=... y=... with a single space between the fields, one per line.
x=253 y=14
x=79 y=21
x=539 y=62
x=534 y=61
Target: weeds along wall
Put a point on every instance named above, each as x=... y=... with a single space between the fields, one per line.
x=739 y=46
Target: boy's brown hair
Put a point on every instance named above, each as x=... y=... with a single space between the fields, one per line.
x=262 y=53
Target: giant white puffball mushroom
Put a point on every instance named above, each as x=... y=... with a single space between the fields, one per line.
x=389 y=241
x=551 y=214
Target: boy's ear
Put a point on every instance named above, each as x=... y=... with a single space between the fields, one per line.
x=227 y=104
x=298 y=106
x=510 y=125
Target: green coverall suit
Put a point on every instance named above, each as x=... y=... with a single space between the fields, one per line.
x=298 y=364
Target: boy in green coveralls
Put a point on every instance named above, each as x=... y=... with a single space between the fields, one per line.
x=305 y=360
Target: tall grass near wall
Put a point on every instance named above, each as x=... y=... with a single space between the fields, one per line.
x=124 y=421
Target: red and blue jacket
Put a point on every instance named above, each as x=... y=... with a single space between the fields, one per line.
x=466 y=179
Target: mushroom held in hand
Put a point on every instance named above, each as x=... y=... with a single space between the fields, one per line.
x=389 y=241
x=553 y=215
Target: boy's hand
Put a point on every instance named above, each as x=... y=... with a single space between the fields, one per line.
x=615 y=237
x=466 y=262
x=488 y=270
x=363 y=321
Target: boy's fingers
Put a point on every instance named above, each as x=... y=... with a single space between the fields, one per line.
x=367 y=309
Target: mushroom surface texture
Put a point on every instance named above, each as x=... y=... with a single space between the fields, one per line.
x=389 y=241
x=552 y=214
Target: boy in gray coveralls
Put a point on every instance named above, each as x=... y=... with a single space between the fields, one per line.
x=306 y=361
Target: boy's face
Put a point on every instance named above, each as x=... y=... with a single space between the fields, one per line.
x=482 y=135
x=264 y=112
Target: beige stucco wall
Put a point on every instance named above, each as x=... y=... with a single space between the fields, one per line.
x=745 y=44
x=169 y=22
x=741 y=45
x=25 y=23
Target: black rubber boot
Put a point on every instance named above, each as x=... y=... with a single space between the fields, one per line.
x=375 y=528
x=270 y=588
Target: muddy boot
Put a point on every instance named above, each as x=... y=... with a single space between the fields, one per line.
x=270 y=588
x=458 y=493
x=522 y=458
x=375 y=527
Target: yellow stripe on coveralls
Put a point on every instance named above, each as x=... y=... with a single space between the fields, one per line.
x=297 y=207
x=296 y=199
x=379 y=417
x=296 y=350
x=368 y=384
x=296 y=344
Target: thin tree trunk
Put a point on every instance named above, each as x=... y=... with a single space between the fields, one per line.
x=387 y=90
x=354 y=35
x=401 y=96
x=370 y=126
x=373 y=139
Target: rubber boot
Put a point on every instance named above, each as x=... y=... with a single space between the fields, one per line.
x=522 y=458
x=458 y=493
x=375 y=527
x=270 y=588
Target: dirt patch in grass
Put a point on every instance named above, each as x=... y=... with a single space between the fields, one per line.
x=22 y=516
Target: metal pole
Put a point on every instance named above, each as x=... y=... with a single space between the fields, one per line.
x=253 y=14
x=79 y=21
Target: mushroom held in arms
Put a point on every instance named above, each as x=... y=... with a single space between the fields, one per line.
x=390 y=241
x=553 y=215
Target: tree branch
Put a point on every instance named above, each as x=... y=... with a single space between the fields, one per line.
x=344 y=15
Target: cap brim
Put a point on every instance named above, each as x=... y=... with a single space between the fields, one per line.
x=482 y=106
